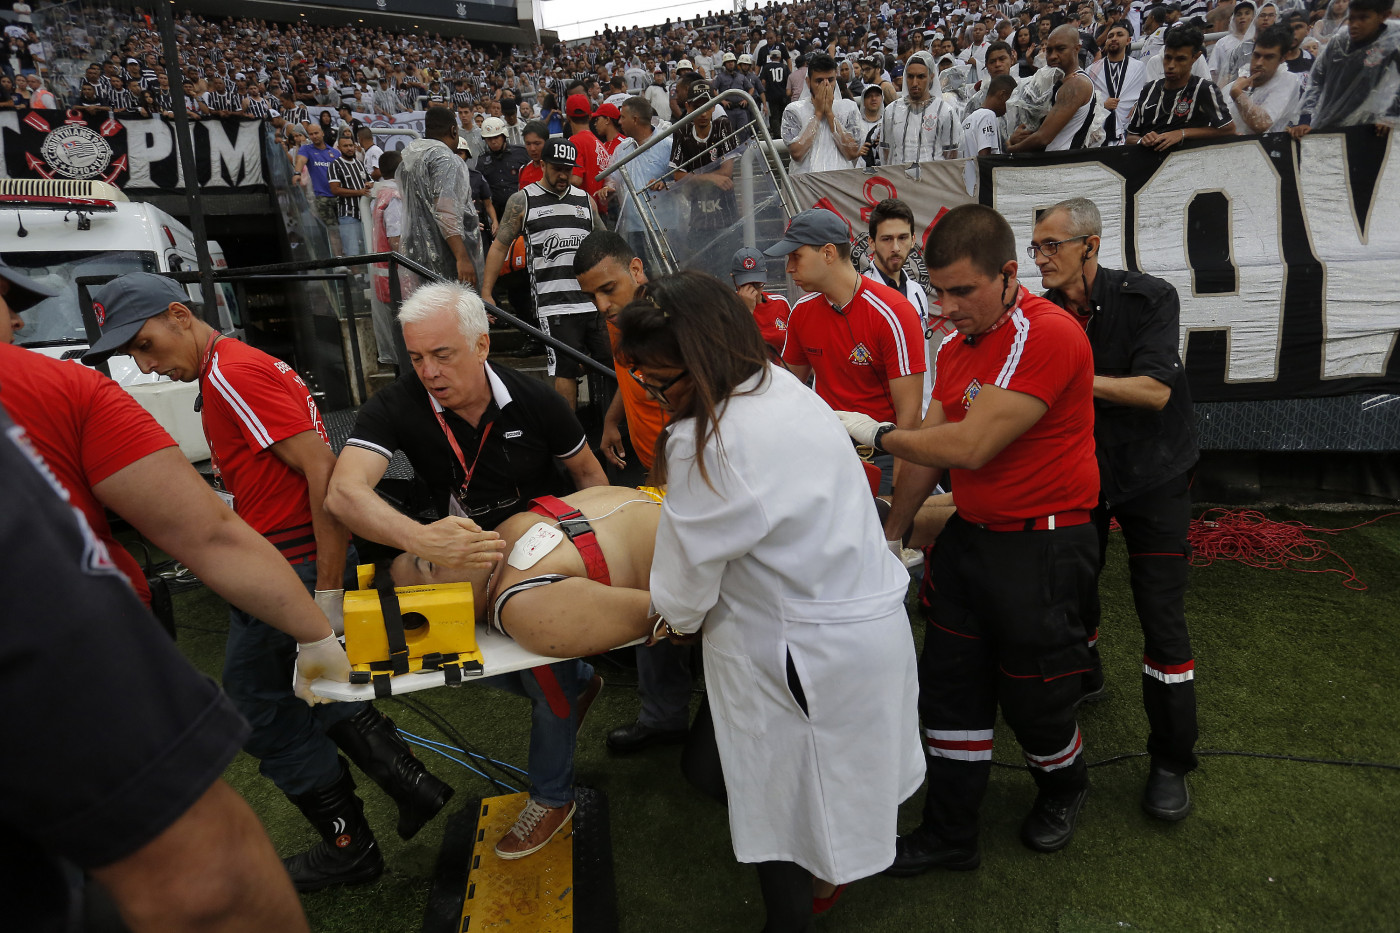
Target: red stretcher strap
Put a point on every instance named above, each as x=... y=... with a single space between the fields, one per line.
x=573 y=524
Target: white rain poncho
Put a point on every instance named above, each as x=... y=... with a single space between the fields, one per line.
x=437 y=204
x=1224 y=51
x=925 y=132
x=1351 y=85
x=1033 y=98
x=825 y=155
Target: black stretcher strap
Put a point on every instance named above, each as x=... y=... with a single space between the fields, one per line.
x=393 y=622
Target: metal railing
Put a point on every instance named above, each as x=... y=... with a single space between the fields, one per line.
x=310 y=270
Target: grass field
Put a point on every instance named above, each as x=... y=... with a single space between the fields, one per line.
x=1287 y=664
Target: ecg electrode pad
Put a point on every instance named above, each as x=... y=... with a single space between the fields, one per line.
x=534 y=545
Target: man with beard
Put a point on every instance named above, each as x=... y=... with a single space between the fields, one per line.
x=920 y=127
x=1119 y=79
x=554 y=216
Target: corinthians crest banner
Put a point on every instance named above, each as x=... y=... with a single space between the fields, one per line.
x=131 y=154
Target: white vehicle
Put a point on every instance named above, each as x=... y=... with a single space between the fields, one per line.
x=57 y=231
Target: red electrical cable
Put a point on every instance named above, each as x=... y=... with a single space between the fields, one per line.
x=1253 y=539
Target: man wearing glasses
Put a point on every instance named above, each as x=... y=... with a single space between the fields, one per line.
x=484 y=440
x=1145 y=435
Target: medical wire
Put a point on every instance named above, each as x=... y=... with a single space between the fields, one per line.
x=585 y=519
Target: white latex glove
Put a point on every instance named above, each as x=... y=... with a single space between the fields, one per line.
x=862 y=428
x=896 y=548
x=318 y=659
x=332 y=603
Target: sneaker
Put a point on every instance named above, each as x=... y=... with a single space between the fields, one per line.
x=536 y=825
x=586 y=698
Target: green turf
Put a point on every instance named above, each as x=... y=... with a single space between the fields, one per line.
x=1287 y=663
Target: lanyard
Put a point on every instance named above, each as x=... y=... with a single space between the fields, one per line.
x=457 y=449
x=206 y=360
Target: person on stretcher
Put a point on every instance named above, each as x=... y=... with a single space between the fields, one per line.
x=553 y=606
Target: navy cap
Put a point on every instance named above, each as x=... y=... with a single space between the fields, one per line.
x=24 y=293
x=749 y=266
x=815 y=226
x=125 y=304
x=559 y=151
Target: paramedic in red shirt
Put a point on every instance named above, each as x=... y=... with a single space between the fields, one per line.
x=749 y=270
x=862 y=340
x=269 y=449
x=1012 y=419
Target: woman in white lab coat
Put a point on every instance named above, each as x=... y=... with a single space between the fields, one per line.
x=769 y=547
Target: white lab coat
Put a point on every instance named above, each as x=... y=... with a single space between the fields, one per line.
x=780 y=562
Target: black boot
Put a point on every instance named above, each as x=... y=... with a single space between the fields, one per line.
x=347 y=853
x=375 y=746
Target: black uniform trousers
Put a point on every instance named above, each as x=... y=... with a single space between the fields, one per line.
x=1004 y=628
x=1154 y=526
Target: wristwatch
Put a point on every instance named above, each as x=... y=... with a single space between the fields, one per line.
x=880 y=432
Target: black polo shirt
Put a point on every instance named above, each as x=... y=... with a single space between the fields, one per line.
x=1135 y=330
x=531 y=431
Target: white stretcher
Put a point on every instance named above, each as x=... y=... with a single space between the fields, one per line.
x=500 y=655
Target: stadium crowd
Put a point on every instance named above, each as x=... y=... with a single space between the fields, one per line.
x=1106 y=54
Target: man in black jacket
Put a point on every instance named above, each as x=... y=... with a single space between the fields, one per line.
x=1145 y=432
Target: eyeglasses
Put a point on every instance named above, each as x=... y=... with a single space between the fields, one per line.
x=1050 y=247
x=657 y=392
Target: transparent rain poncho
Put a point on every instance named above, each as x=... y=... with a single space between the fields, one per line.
x=1351 y=85
x=437 y=204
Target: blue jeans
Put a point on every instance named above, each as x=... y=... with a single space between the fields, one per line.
x=289 y=738
x=352 y=236
x=551 y=764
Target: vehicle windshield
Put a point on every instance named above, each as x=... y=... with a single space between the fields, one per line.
x=57 y=321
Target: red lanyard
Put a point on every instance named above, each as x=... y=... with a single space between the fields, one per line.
x=457 y=449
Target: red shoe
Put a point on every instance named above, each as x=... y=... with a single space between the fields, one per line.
x=821 y=905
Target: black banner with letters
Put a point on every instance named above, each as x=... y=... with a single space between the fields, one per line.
x=1286 y=254
x=131 y=154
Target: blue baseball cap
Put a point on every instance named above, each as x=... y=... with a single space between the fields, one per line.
x=816 y=226
x=24 y=293
x=748 y=267
x=125 y=304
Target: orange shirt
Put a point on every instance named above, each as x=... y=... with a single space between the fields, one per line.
x=645 y=419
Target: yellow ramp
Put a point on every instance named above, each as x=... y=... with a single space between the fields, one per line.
x=534 y=894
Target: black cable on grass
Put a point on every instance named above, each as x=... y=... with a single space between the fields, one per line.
x=435 y=719
x=1224 y=753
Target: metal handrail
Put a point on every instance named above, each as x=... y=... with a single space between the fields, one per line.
x=395 y=258
x=791 y=202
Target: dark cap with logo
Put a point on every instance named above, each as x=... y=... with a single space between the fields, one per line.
x=24 y=293
x=125 y=304
x=815 y=226
x=749 y=267
x=559 y=151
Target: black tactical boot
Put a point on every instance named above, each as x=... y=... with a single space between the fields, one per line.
x=375 y=746
x=347 y=853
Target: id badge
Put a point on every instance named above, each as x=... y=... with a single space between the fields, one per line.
x=226 y=496
x=454 y=507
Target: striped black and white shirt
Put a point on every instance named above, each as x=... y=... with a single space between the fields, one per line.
x=348 y=174
x=1198 y=103
x=260 y=108
x=228 y=100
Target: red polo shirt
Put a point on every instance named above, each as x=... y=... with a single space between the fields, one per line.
x=856 y=350
x=1038 y=350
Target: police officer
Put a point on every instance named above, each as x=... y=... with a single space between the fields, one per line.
x=1144 y=429
x=1012 y=418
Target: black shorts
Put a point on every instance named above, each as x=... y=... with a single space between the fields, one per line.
x=585 y=332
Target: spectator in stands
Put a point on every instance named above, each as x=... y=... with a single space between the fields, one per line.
x=646 y=171
x=40 y=97
x=440 y=224
x=981 y=133
x=554 y=216
x=1179 y=105
x=1119 y=79
x=1071 y=115
x=591 y=154
x=315 y=158
x=1357 y=78
x=534 y=134
x=1267 y=99
x=749 y=273
x=872 y=118
x=1241 y=29
x=775 y=73
x=385 y=230
x=821 y=129
x=920 y=126
x=349 y=182
x=705 y=174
